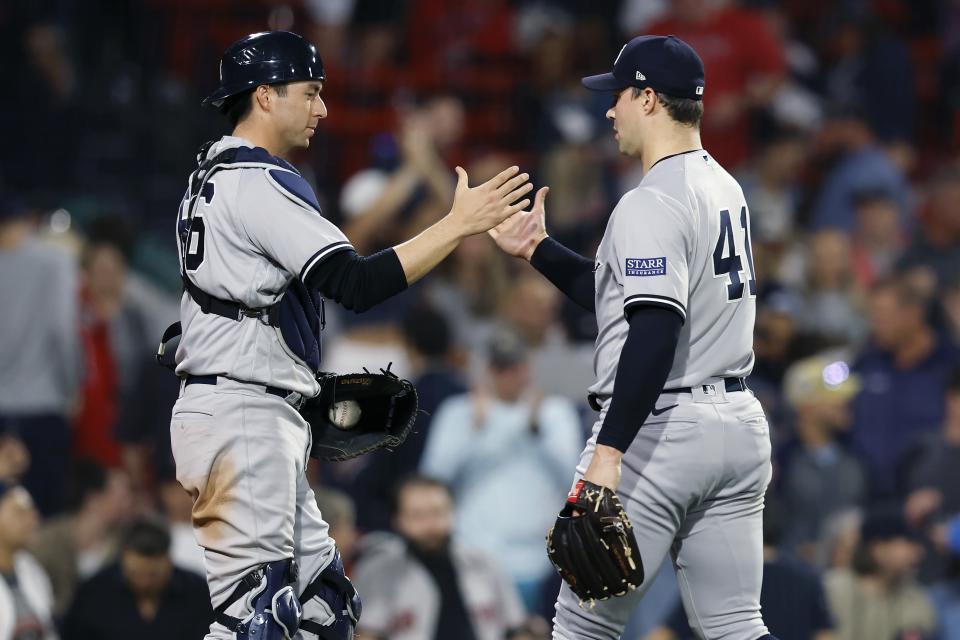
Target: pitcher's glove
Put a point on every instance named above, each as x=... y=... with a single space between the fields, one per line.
x=388 y=410
x=596 y=552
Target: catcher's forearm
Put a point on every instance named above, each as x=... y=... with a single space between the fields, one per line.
x=358 y=282
x=645 y=363
x=568 y=271
x=420 y=254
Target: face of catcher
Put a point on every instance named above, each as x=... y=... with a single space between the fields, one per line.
x=293 y=110
x=425 y=516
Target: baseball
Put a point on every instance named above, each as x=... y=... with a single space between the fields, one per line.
x=345 y=414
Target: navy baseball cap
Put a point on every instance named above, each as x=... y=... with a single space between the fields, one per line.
x=666 y=64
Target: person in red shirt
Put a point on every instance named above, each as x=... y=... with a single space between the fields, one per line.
x=100 y=300
x=744 y=61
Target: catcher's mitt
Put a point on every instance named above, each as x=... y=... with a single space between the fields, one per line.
x=388 y=409
x=596 y=553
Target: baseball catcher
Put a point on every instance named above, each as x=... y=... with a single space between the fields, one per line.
x=258 y=259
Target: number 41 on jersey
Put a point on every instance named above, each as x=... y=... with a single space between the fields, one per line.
x=732 y=264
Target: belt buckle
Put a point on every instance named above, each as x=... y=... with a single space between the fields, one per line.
x=709 y=390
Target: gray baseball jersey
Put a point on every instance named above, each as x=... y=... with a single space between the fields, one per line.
x=695 y=475
x=680 y=240
x=259 y=228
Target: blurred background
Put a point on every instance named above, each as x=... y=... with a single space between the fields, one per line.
x=839 y=118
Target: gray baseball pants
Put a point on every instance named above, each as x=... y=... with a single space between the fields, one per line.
x=242 y=455
x=692 y=483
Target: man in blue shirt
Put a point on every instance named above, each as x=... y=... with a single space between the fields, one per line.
x=904 y=371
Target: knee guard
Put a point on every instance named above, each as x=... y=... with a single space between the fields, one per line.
x=334 y=601
x=275 y=611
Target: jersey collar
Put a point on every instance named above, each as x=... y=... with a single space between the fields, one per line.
x=248 y=152
x=673 y=155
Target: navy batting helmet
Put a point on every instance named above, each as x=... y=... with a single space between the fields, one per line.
x=270 y=57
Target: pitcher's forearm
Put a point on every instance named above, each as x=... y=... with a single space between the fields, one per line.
x=423 y=252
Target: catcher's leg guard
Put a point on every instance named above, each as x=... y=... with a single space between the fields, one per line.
x=331 y=604
x=275 y=610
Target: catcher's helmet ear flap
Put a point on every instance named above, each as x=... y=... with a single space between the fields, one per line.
x=270 y=57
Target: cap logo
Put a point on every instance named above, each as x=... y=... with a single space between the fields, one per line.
x=699 y=91
x=640 y=76
x=620 y=54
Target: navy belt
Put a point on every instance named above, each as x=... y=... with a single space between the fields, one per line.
x=274 y=391
x=730 y=384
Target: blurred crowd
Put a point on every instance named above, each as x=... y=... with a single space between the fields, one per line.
x=841 y=122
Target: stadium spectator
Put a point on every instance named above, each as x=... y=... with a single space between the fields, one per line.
x=878 y=239
x=936 y=466
x=745 y=63
x=880 y=597
x=904 y=371
x=124 y=394
x=936 y=246
x=832 y=305
x=14 y=458
x=863 y=61
x=933 y=481
x=433 y=356
x=142 y=596
x=858 y=165
x=115 y=340
x=420 y=585
x=818 y=478
x=39 y=350
x=339 y=512
x=950 y=310
x=26 y=600
x=531 y=307
x=76 y=544
x=469 y=289
x=945 y=595
x=491 y=440
x=771 y=185
x=384 y=204
x=839 y=539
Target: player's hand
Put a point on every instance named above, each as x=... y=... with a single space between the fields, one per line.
x=478 y=209
x=520 y=234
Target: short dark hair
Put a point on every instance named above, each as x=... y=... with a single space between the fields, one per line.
x=86 y=477
x=416 y=480
x=110 y=230
x=147 y=537
x=427 y=331
x=239 y=106
x=685 y=111
x=906 y=295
